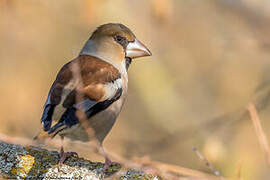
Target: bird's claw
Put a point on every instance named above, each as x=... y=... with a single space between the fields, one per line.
x=65 y=155
x=107 y=164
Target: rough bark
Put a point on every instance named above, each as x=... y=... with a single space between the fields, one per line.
x=32 y=162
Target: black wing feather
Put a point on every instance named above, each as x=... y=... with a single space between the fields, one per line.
x=103 y=105
x=46 y=118
x=69 y=118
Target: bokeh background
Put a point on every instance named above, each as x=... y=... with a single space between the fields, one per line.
x=210 y=59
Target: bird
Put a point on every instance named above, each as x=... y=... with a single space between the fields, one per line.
x=94 y=84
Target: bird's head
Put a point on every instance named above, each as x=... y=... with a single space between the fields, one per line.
x=116 y=44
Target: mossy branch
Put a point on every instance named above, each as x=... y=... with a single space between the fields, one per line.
x=33 y=162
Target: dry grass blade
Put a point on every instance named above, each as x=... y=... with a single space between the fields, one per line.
x=259 y=131
x=163 y=167
x=239 y=172
x=206 y=162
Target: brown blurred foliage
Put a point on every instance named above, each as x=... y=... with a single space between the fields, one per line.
x=210 y=59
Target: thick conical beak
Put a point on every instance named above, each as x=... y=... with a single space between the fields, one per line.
x=137 y=49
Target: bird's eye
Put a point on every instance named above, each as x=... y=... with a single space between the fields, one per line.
x=119 y=39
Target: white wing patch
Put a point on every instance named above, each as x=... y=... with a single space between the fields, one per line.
x=73 y=83
x=112 y=87
x=59 y=109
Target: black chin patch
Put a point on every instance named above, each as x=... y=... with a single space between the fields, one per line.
x=128 y=62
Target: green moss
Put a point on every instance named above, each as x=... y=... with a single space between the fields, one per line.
x=112 y=169
x=137 y=175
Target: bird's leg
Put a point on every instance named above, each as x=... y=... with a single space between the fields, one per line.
x=65 y=155
x=107 y=164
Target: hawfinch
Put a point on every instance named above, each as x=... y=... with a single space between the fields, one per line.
x=101 y=82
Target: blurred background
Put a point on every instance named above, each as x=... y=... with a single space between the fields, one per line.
x=210 y=59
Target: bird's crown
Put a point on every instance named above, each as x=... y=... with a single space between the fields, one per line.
x=114 y=30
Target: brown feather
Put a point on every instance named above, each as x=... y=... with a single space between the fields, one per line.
x=95 y=74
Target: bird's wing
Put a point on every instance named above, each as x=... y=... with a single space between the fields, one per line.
x=101 y=85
